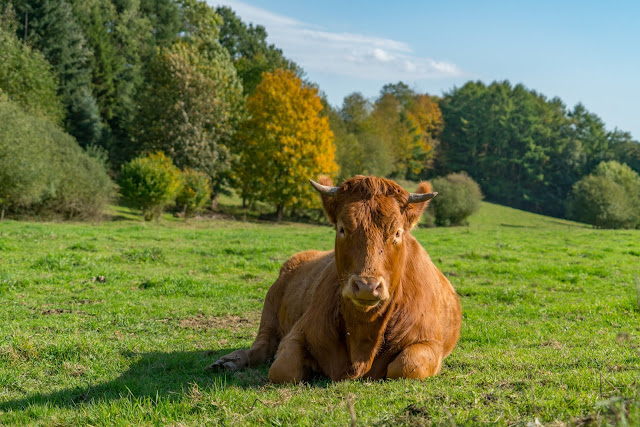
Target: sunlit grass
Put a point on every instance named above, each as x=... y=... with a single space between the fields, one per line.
x=113 y=323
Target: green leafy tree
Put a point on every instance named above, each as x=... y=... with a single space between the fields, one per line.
x=358 y=149
x=149 y=184
x=191 y=110
x=517 y=144
x=25 y=75
x=402 y=135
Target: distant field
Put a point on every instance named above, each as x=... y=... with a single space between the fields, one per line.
x=113 y=324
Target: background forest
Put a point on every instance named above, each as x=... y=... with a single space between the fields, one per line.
x=205 y=105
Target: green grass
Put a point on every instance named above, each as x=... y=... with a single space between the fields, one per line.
x=113 y=324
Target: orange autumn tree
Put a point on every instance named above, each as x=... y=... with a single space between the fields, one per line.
x=284 y=142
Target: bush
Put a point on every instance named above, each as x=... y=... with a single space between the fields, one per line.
x=459 y=196
x=44 y=172
x=608 y=198
x=149 y=183
x=194 y=193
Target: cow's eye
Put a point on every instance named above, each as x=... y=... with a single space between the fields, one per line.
x=341 y=231
x=398 y=235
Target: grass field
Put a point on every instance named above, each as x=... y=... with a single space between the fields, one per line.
x=114 y=323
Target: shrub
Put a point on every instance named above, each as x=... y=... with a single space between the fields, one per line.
x=459 y=196
x=607 y=198
x=44 y=172
x=194 y=193
x=149 y=183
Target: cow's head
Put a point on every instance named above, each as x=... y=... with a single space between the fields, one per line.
x=371 y=216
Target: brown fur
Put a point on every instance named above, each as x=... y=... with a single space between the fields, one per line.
x=314 y=322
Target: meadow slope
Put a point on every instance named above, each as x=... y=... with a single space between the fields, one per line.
x=113 y=324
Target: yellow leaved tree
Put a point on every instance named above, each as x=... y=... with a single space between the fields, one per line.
x=284 y=142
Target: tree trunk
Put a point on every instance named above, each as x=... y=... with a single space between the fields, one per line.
x=244 y=202
x=279 y=212
x=2 y=215
x=214 y=202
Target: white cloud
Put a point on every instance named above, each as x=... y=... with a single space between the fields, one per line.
x=342 y=54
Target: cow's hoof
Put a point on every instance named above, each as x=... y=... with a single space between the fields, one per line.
x=222 y=364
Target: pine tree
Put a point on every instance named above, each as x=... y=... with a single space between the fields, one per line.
x=51 y=27
x=249 y=50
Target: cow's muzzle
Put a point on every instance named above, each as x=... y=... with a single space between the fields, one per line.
x=366 y=291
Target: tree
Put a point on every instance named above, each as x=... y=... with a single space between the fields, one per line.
x=401 y=92
x=517 y=144
x=165 y=20
x=426 y=112
x=249 y=50
x=119 y=38
x=285 y=141
x=191 y=108
x=359 y=149
x=25 y=75
x=401 y=134
x=51 y=27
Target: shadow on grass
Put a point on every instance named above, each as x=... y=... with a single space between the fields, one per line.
x=166 y=375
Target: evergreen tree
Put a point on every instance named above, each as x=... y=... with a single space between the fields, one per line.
x=249 y=50
x=165 y=21
x=51 y=27
x=118 y=36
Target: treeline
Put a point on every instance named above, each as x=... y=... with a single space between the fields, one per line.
x=131 y=78
x=525 y=151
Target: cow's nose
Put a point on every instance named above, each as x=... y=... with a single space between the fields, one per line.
x=367 y=288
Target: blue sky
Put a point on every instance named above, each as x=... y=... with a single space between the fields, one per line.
x=580 y=51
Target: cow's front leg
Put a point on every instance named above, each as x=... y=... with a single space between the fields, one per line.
x=417 y=361
x=292 y=360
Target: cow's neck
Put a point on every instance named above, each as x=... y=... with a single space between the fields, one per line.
x=364 y=334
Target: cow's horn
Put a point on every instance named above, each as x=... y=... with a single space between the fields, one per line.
x=421 y=197
x=325 y=190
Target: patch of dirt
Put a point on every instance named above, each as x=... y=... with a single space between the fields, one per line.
x=553 y=344
x=75 y=369
x=230 y=322
x=55 y=311
x=416 y=410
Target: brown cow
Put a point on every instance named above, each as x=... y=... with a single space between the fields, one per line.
x=375 y=307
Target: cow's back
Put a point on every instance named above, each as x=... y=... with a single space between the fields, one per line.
x=292 y=293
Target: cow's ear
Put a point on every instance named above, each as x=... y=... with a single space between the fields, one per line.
x=413 y=211
x=329 y=203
